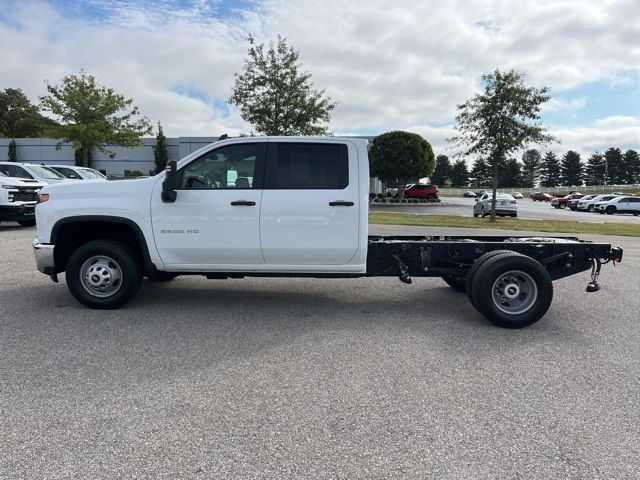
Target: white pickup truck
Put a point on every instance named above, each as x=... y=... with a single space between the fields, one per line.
x=18 y=199
x=280 y=206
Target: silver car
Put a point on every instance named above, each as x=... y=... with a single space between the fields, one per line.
x=506 y=205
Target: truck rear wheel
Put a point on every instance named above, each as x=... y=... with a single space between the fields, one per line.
x=104 y=274
x=474 y=268
x=512 y=291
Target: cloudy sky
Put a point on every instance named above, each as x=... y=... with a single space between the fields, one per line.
x=391 y=64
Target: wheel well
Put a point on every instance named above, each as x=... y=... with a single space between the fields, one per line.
x=69 y=236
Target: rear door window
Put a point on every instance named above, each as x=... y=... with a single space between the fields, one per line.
x=307 y=166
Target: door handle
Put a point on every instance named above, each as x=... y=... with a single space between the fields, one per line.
x=243 y=203
x=341 y=203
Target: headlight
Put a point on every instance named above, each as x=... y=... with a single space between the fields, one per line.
x=43 y=197
x=9 y=187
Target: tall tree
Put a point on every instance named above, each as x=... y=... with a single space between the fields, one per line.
x=480 y=174
x=614 y=163
x=510 y=175
x=500 y=121
x=160 y=154
x=531 y=160
x=13 y=151
x=276 y=95
x=442 y=172
x=18 y=116
x=632 y=167
x=550 y=171
x=594 y=171
x=92 y=116
x=398 y=156
x=572 y=170
x=459 y=174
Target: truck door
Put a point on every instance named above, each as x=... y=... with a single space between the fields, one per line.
x=310 y=204
x=216 y=216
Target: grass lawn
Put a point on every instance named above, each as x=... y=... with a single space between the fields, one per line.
x=553 y=226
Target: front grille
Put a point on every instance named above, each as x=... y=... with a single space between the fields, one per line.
x=25 y=194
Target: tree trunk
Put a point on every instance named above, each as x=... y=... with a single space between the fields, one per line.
x=496 y=161
x=85 y=157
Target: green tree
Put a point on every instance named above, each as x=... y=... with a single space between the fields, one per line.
x=399 y=156
x=276 y=95
x=572 y=170
x=632 y=167
x=531 y=160
x=615 y=167
x=92 y=116
x=13 y=151
x=595 y=170
x=442 y=171
x=500 y=121
x=550 y=171
x=459 y=174
x=160 y=154
x=480 y=174
x=510 y=175
x=20 y=118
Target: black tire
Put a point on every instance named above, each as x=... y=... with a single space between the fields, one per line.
x=161 y=276
x=515 y=215
x=563 y=206
x=474 y=268
x=455 y=282
x=635 y=214
x=611 y=210
x=431 y=197
x=27 y=223
x=531 y=285
x=590 y=208
x=126 y=262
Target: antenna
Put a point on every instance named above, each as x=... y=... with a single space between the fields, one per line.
x=224 y=136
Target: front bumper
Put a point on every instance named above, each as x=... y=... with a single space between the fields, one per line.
x=44 y=257
x=13 y=213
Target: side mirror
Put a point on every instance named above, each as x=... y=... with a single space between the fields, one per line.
x=170 y=183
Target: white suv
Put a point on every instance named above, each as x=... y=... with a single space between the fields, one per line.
x=590 y=204
x=620 y=205
x=28 y=171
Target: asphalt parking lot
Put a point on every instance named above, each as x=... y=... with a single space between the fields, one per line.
x=527 y=209
x=306 y=378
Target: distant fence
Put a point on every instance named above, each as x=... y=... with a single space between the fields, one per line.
x=457 y=192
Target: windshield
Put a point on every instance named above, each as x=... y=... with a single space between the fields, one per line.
x=90 y=174
x=45 y=172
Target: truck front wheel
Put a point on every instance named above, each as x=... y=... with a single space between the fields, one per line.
x=104 y=274
x=512 y=291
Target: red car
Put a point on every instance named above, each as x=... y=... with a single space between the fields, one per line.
x=563 y=202
x=540 y=197
x=430 y=192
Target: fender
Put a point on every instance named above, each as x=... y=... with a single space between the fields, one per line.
x=149 y=265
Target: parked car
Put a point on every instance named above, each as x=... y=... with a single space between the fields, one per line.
x=419 y=190
x=78 y=173
x=469 y=194
x=517 y=195
x=573 y=204
x=479 y=193
x=623 y=204
x=590 y=205
x=394 y=191
x=541 y=197
x=505 y=205
x=563 y=202
x=29 y=171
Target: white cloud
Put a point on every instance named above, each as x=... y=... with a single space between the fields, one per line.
x=391 y=64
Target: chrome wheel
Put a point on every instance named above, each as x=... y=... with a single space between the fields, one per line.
x=101 y=276
x=514 y=292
